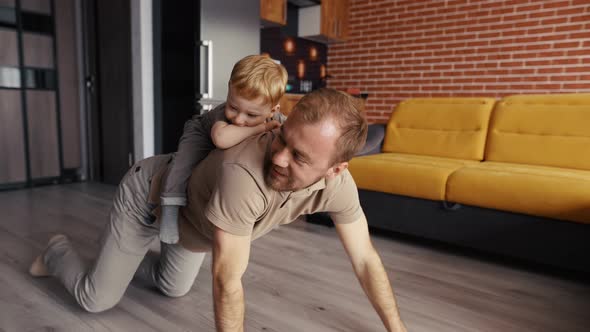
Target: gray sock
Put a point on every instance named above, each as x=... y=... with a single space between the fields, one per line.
x=169 y=224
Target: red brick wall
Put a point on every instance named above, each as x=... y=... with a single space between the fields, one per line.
x=428 y=48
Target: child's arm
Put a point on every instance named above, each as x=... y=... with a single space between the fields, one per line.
x=225 y=135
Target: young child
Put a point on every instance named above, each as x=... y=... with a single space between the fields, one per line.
x=255 y=86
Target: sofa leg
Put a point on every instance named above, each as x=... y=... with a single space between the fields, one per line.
x=450 y=206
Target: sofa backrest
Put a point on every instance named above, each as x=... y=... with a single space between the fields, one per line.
x=443 y=127
x=550 y=130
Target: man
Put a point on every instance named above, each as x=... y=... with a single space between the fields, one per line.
x=234 y=197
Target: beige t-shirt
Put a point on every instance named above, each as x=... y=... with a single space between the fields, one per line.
x=227 y=190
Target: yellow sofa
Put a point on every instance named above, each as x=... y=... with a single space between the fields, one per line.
x=509 y=176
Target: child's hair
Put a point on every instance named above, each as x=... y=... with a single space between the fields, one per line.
x=259 y=76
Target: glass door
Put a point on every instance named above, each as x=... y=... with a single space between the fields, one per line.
x=40 y=86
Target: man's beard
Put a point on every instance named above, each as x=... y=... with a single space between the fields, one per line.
x=275 y=182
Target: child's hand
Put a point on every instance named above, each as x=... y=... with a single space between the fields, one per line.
x=272 y=125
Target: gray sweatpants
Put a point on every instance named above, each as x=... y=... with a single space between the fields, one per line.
x=124 y=245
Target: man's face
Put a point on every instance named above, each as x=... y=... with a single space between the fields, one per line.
x=302 y=154
x=246 y=113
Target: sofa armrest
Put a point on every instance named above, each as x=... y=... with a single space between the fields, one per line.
x=375 y=137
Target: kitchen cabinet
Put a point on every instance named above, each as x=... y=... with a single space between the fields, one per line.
x=325 y=23
x=273 y=12
x=288 y=101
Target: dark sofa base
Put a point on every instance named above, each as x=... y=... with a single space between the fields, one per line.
x=561 y=244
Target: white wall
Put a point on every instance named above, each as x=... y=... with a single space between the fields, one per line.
x=143 y=78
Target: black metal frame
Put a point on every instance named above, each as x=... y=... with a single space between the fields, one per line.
x=21 y=61
x=66 y=175
x=57 y=92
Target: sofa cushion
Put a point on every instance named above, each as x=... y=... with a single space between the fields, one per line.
x=549 y=130
x=552 y=192
x=405 y=174
x=443 y=127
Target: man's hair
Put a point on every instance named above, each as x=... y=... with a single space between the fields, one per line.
x=259 y=76
x=324 y=104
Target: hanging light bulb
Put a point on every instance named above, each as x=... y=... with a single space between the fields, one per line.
x=313 y=53
x=323 y=71
x=300 y=69
x=289 y=46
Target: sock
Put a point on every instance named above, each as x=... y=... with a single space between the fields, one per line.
x=169 y=224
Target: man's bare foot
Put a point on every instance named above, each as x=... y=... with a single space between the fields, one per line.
x=38 y=267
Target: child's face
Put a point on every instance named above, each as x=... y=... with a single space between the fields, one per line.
x=246 y=113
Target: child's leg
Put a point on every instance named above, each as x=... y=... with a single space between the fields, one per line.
x=169 y=224
x=193 y=147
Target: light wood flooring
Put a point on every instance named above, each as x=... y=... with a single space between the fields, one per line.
x=299 y=279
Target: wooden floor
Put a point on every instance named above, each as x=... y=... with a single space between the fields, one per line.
x=299 y=279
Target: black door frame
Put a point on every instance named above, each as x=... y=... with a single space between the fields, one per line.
x=93 y=125
x=176 y=37
x=109 y=129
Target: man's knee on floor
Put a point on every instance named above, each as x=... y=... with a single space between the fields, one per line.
x=174 y=291
x=98 y=305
